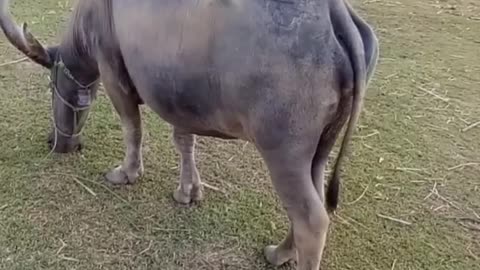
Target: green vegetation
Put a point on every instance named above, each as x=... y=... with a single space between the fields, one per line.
x=414 y=159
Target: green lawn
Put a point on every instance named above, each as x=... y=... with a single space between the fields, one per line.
x=415 y=158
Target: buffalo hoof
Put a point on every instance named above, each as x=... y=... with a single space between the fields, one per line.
x=275 y=256
x=182 y=197
x=118 y=176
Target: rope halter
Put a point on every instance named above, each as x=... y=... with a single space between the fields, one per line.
x=83 y=94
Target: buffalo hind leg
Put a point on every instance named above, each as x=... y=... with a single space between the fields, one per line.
x=284 y=252
x=291 y=176
x=128 y=110
x=190 y=187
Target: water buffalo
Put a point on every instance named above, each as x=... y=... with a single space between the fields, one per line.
x=285 y=75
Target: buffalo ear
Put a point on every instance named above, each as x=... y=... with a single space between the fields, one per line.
x=52 y=53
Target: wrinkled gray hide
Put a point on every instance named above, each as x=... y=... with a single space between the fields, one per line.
x=285 y=75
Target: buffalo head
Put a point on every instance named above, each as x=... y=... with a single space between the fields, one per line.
x=71 y=95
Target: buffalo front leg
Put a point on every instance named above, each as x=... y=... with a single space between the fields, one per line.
x=128 y=110
x=132 y=167
x=190 y=187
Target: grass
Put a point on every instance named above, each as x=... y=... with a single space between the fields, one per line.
x=410 y=195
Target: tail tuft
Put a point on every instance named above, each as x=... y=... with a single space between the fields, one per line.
x=332 y=194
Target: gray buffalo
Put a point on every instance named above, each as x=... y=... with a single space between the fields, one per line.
x=285 y=75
